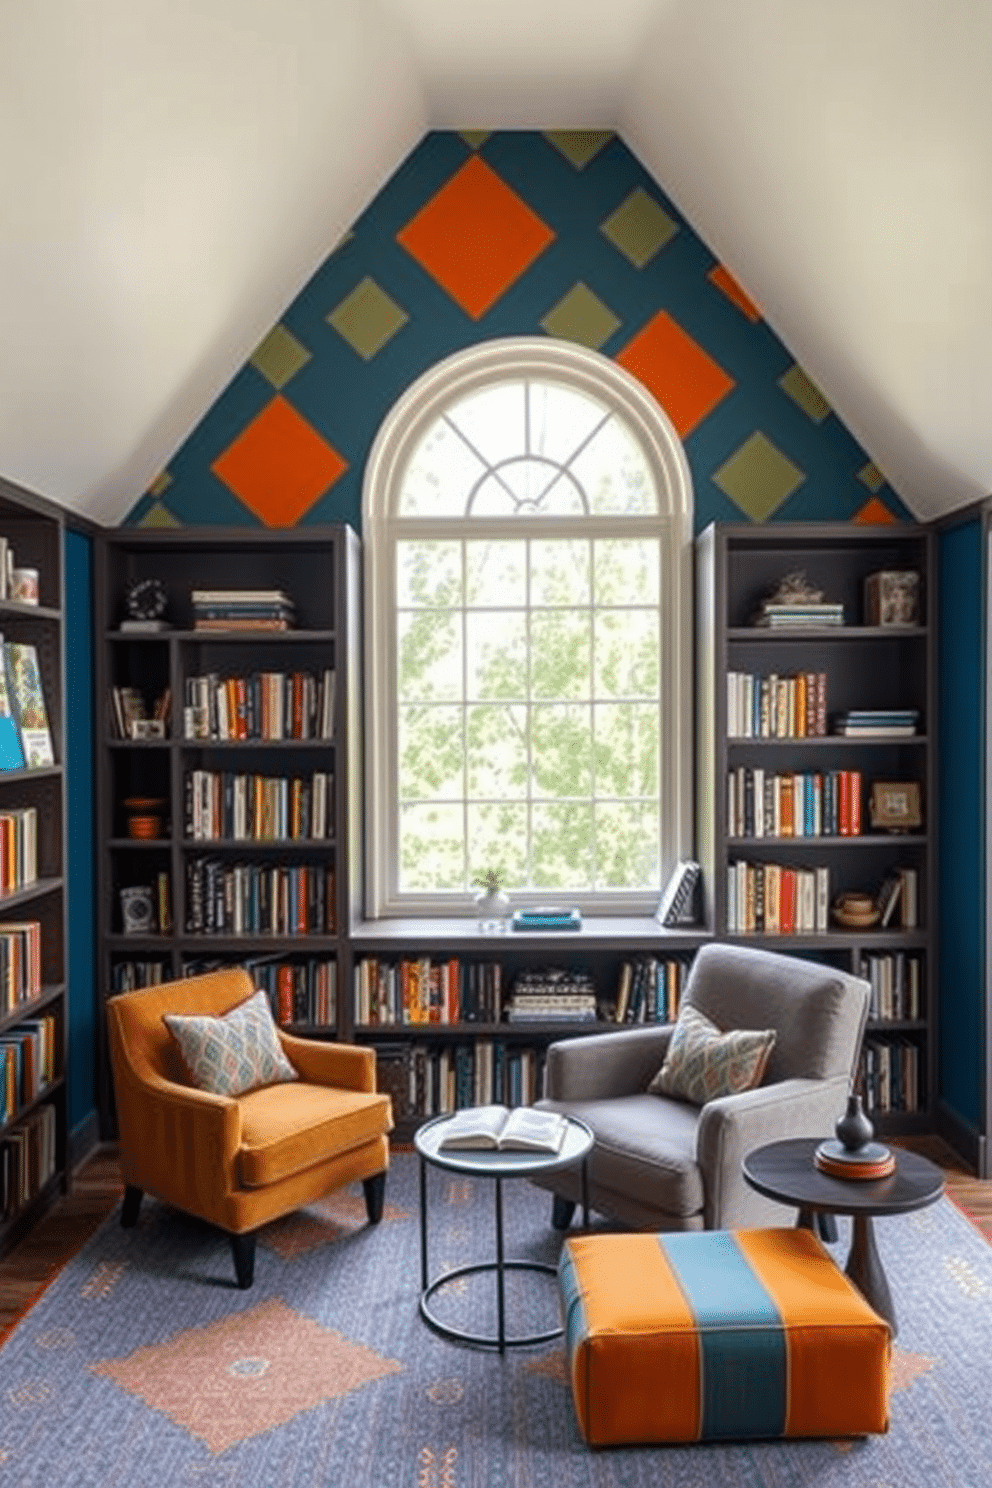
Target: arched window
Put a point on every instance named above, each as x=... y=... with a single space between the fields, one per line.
x=527 y=531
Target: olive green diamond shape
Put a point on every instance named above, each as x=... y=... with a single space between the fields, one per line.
x=803 y=391
x=581 y=316
x=161 y=483
x=367 y=318
x=475 y=137
x=758 y=477
x=279 y=357
x=159 y=515
x=869 y=475
x=578 y=146
x=639 y=227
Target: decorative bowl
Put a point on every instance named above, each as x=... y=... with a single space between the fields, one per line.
x=144 y=826
x=856 y=911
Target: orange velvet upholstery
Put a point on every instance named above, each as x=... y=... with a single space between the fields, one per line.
x=239 y=1162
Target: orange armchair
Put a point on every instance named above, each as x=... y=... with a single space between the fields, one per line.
x=241 y=1161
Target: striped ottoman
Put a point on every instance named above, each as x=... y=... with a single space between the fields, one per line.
x=719 y=1335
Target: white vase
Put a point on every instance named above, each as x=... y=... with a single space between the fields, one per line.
x=493 y=909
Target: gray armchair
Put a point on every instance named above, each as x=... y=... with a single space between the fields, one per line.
x=663 y=1164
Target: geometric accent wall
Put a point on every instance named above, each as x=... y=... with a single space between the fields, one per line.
x=479 y=235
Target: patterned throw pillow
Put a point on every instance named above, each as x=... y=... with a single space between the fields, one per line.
x=235 y=1053
x=703 y=1063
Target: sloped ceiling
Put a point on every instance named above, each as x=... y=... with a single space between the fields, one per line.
x=170 y=175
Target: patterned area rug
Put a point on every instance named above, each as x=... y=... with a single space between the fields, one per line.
x=143 y=1365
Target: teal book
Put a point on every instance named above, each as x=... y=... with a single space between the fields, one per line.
x=11 y=753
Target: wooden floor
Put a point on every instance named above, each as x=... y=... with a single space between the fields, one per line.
x=97 y=1186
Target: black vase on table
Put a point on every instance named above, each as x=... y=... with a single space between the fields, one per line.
x=854 y=1130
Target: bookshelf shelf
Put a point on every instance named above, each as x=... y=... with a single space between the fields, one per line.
x=851 y=667
x=34 y=1137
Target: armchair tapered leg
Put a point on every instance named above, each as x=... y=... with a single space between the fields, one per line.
x=561 y=1212
x=826 y=1227
x=130 y=1207
x=243 y=1250
x=375 y=1194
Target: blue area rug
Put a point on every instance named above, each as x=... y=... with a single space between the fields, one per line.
x=143 y=1365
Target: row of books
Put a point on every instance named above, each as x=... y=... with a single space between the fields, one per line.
x=302 y=991
x=262 y=705
x=772 y=899
x=27 y=1160
x=20 y=963
x=552 y=995
x=131 y=717
x=893 y=1076
x=132 y=976
x=242 y=609
x=25 y=734
x=776 y=707
x=18 y=848
x=877 y=723
x=813 y=803
x=428 y=1081
x=896 y=986
x=650 y=989
x=898 y=899
x=419 y=990
x=27 y=1064
x=802 y=614
x=258 y=898
x=260 y=808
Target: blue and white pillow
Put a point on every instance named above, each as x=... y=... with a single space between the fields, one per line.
x=234 y=1053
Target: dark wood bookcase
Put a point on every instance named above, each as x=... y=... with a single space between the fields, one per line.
x=318 y=567
x=34 y=529
x=867 y=666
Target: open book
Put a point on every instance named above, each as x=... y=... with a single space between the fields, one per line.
x=523 y=1129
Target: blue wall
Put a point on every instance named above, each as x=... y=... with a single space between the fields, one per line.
x=961 y=823
x=79 y=811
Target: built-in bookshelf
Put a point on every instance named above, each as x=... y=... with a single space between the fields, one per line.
x=34 y=1011
x=815 y=748
x=230 y=762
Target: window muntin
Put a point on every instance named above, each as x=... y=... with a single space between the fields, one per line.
x=526 y=539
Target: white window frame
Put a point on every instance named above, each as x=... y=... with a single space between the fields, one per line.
x=419 y=406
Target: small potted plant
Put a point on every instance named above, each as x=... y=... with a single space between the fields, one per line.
x=492 y=903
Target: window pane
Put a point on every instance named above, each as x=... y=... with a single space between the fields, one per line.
x=431 y=848
x=431 y=754
x=496 y=642
x=626 y=570
x=561 y=420
x=627 y=653
x=497 y=838
x=561 y=751
x=561 y=654
x=439 y=477
x=492 y=421
x=495 y=573
x=627 y=752
x=428 y=573
x=496 y=743
x=627 y=845
x=562 y=846
x=560 y=572
x=615 y=474
x=429 y=655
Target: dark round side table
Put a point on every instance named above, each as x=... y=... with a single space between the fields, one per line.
x=786 y=1171
x=476 y=1163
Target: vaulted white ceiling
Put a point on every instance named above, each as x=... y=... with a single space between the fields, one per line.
x=171 y=174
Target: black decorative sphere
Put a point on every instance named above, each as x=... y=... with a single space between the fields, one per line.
x=146 y=599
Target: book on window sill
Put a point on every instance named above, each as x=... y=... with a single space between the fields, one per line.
x=523 y=1129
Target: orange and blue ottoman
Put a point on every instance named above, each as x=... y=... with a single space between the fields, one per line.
x=719 y=1335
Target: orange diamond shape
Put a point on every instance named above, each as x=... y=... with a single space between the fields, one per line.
x=475 y=237
x=234 y=1379
x=874 y=513
x=279 y=465
x=727 y=284
x=685 y=380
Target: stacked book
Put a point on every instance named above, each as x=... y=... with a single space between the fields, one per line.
x=877 y=723
x=242 y=609
x=552 y=996
x=792 y=616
